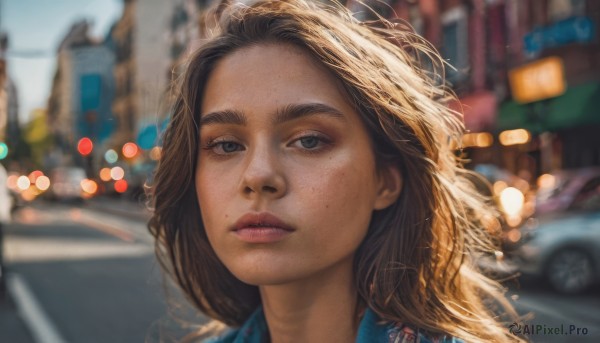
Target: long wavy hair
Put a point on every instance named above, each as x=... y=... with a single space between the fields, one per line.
x=414 y=265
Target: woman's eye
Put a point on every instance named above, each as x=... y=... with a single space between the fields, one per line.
x=224 y=147
x=229 y=147
x=309 y=142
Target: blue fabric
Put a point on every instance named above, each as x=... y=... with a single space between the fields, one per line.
x=370 y=330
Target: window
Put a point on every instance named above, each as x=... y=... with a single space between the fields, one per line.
x=455 y=43
x=416 y=19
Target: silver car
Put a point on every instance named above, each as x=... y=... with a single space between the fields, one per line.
x=563 y=248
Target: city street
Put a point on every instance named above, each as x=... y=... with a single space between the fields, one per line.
x=82 y=274
x=549 y=310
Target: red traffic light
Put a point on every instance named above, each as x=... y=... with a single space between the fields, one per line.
x=85 y=146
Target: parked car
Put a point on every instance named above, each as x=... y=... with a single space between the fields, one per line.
x=568 y=188
x=563 y=247
x=65 y=183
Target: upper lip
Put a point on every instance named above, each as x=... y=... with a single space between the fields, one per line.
x=262 y=219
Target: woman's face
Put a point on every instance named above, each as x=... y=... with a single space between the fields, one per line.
x=286 y=176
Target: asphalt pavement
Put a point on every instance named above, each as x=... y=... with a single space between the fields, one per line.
x=13 y=328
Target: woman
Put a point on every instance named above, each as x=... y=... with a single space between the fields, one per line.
x=308 y=190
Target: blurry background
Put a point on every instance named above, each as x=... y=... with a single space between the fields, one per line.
x=85 y=95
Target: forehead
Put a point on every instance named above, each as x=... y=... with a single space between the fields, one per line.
x=270 y=74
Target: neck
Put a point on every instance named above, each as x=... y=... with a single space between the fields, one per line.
x=318 y=309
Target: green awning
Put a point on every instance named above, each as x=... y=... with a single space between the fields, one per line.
x=578 y=106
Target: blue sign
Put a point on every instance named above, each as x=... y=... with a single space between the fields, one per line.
x=147 y=137
x=91 y=85
x=571 y=30
x=94 y=119
x=151 y=135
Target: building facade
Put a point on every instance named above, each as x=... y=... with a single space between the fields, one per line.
x=82 y=92
x=485 y=42
x=564 y=124
x=125 y=103
x=9 y=106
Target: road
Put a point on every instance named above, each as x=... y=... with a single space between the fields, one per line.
x=551 y=317
x=92 y=277
x=85 y=276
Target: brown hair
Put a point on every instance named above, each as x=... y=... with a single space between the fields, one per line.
x=414 y=265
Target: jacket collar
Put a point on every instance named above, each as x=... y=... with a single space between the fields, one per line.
x=255 y=329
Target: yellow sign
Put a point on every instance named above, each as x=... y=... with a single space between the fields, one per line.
x=539 y=80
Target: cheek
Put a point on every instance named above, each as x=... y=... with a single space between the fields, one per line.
x=341 y=195
x=212 y=196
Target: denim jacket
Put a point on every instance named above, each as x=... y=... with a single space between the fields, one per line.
x=370 y=330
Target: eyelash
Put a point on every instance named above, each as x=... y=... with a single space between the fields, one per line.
x=323 y=144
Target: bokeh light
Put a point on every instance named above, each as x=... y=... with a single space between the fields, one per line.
x=89 y=186
x=105 y=174
x=546 y=181
x=42 y=183
x=11 y=181
x=3 y=150
x=514 y=235
x=514 y=137
x=512 y=201
x=155 y=153
x=121 y=186
x=28 y=194
x=130 y=150
x=34 y=175
x=499 y=186
x=85 y=146
x=23 y=182
x=477 y=139
x=117 y=173
x=111 y=156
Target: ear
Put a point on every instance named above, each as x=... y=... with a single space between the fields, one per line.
x=389 y=187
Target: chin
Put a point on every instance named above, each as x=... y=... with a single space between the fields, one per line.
x=264 y=273
x=266 y=277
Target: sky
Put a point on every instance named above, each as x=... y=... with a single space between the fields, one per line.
x=35 y=29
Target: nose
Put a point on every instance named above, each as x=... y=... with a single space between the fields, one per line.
x=263 y=175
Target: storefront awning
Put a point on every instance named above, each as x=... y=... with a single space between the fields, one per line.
x=578 y=106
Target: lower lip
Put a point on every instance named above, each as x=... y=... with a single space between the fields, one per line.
x=262 y=234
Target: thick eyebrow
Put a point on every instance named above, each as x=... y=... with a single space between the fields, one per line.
x=223 y=117
x=295 y=111
x=287 y=113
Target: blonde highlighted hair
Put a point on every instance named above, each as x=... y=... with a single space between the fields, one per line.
x=414 y=265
